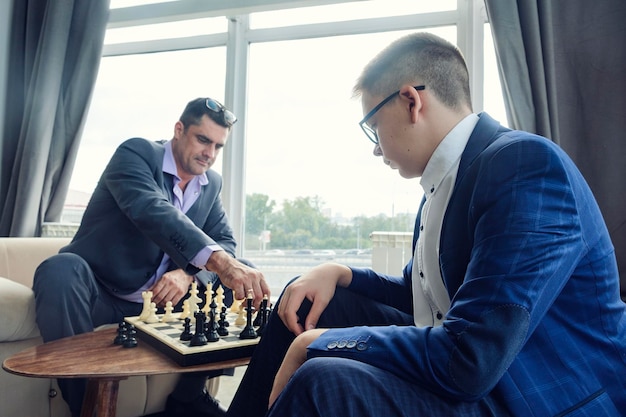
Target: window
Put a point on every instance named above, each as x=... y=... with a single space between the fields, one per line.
x=289 y=76
x=143 y=96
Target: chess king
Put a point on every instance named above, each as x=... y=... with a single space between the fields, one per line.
x=155 y=223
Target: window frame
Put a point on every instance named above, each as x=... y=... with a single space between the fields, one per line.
x=469 y=18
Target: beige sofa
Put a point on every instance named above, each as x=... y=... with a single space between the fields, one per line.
x=40 y=397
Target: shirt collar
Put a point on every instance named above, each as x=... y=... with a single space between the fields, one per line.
x=169 y=166
x=447 y=154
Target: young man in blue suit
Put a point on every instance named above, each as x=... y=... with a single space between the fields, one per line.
x=510 y=305
x=155 y=222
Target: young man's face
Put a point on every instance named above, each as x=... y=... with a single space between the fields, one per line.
x=196 y=149
x=399 y=142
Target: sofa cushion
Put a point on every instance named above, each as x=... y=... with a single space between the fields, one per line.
x=17 y=312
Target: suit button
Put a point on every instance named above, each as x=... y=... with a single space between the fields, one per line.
x=331 y=345
x=361 y=346
x=351 y=344
x=342 y=344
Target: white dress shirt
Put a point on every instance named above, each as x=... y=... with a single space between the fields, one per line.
x=430 y=297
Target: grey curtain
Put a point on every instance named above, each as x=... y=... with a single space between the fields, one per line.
x=563 y=66
x=55 y=50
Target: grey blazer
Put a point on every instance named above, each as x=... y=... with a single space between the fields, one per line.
x=130 y=220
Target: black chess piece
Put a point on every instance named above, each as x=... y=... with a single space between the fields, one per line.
x=224 y=316
x=248 y=332
x=121 y=333
x=223 y=324
x=263 y=313
x=212 y=335
x=131 y=340
x=186 y=335
x=199 y=337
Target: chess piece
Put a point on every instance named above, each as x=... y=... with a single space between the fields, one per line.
x=186 y=311
x=208 y=296
x=131 y=340
x=236 y=306
x=168 y=316
x=193 y=299
x=222 y=323
x=219 y=297
x=240 y=320
x=212 y=335
x=263 y=313
x=147 y=300
x=152 y=318
x=248 y=332
x=121 y=333
x=199 y=337
x=186 y=335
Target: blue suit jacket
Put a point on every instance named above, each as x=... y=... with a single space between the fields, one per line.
x=536 y=317
x=130 y=220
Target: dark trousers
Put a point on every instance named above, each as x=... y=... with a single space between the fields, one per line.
x=69 y=301
x=337 y=386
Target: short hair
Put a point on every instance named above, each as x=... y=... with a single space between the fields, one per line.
x=196 y=109
x=419 y=58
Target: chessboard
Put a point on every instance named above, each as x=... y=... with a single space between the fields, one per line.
x=183 y=337
x=165 y=337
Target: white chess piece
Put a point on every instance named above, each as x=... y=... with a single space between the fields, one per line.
x=168 y=316
x=186 y=312
x=234 y=307
x=152 y=318
x=219 y=298
x=147 y=300
x=194 y=300
x=208 y=296
x=240 y=320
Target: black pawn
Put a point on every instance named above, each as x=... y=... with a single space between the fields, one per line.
x=223 y=324
x=186 y=335
x=199 y=337
x=121 y=333
x=131 y=340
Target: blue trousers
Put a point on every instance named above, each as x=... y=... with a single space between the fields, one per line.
x=333 y=387
x=69 y=301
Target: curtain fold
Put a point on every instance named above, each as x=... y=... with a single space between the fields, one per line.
x=55 y=50
x=563 y=70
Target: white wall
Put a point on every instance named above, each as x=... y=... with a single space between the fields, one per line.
x=6 y=7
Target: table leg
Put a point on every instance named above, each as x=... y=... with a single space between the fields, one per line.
x=101 y=397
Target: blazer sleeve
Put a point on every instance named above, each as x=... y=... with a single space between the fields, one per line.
x=523 y=229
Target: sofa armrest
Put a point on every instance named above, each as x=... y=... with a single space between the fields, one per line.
x=17 y=312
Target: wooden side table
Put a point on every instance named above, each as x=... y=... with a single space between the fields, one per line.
x=94 y=356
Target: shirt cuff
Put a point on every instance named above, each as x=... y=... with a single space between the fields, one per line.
x=203 y=256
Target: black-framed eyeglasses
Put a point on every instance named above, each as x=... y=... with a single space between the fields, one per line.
x=217 y=107
x=371 y=133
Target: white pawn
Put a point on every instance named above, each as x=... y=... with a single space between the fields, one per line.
x=168 y=316
x=147 y=300
x=152 y=318
x=186 y=311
